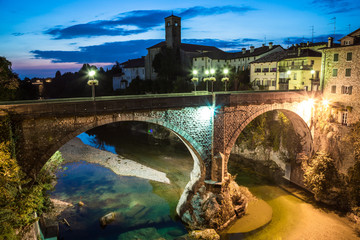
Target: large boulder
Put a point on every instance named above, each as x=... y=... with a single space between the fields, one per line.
x=107 y=219
x=216 y=209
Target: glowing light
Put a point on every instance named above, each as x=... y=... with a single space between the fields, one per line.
x=195 y=72
x=212 y=71
x=92 y=73
x=310 y=102
x=207 y=72
x=150 y=131
x=226 y=71
x=312 y=71
x=205 y=113
x=288 y=72
x=325 y=102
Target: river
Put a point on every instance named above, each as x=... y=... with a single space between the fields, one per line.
x=145 y=209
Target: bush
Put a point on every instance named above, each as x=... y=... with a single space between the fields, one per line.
x=323 y=179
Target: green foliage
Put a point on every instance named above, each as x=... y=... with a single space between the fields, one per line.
x=272 y=130
x=354 y=184
x=9 y=81
x=21 y=196
x=321 y=175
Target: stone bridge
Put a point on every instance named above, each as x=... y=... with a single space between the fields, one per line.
x=208 y=124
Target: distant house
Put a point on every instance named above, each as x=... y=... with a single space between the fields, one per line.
x=296 y=68
x=133 y=68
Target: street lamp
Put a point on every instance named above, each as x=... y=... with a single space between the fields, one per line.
x=92 y=82
x=195 y=79
x=225 y=79
x=212 y=79
x=206 y=79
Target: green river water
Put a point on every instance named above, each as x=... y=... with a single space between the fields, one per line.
x=146 y=209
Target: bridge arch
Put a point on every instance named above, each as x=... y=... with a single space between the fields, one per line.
x=198 y=172
x=299 y=113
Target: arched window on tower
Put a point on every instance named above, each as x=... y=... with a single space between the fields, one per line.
x=168 y=24
x=176 y=24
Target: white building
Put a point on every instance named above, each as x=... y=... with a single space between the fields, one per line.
x=219 y=60
x=133 y=68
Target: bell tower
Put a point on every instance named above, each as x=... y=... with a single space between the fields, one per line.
x=173 y=31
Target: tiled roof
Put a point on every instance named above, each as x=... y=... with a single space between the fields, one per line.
x=272 y=57
x=353 y=34
x=303 y=53
x=278 y=56
x=134 y=63
x=188 y=47
x=257 y=51
x=160 y=44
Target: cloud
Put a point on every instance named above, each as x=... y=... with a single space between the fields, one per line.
x=336 y=6
x=17 y=34
x=107 y=52
x=135 y=22
x=122 y=51
x=318 y=38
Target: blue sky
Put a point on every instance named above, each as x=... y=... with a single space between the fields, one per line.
x=41 y=37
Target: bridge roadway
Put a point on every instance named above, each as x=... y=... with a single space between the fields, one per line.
x=85 y=105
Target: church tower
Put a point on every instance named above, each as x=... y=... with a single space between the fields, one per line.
x=173 y=31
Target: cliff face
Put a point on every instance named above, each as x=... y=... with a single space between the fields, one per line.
x=335 y=139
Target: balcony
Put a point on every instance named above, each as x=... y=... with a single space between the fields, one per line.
x=284 y=80
x=315 y=80
x=295 y=67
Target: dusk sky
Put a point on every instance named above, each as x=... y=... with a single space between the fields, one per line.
x=41 y=37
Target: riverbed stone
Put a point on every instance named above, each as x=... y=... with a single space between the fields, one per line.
x=216 y=210
x=206 y=234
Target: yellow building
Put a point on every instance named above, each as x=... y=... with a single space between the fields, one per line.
x=300 y=69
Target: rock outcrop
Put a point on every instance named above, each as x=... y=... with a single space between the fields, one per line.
x=208 y=209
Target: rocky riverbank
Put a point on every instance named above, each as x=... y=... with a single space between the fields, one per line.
x=75 y=150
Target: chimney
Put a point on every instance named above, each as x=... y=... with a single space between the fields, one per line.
x=251 y=49
x=308 y=43
x=263 y=45
x=297 y=45
x=270 y=45
x=299 y=52
x=330 y=42
x=243 y=50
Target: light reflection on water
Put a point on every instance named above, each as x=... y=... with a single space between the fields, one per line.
x=138 y=210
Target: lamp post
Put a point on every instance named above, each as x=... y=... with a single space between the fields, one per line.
x=225 y=79
x=195 y=79
x=206 y=79
x=92 y=82
x=212 y=79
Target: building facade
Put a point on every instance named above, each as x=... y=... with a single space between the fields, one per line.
x=296 y=68
x=239 y=61
x=341 y=83
x=300 y=69
x=131 y=69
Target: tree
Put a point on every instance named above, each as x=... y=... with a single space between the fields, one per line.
x=9 y=81
x=21 y=196
x=167 y=64
x=323 y=179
